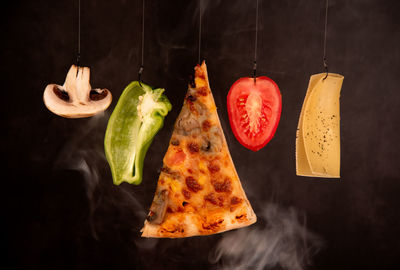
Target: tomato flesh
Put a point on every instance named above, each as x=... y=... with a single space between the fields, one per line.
x=254 y=109
x=175 y=158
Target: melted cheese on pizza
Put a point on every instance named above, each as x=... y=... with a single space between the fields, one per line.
x=199 y=191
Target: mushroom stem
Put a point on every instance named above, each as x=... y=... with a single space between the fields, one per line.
x=82 y=83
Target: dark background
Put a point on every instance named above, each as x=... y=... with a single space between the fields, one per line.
x=62 y=210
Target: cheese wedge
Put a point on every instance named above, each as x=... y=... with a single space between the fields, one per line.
x=318 y=131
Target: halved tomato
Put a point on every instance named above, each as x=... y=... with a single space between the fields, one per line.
x=254 y=109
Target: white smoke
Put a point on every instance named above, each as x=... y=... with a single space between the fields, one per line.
x=278 y=239
x=84 y=152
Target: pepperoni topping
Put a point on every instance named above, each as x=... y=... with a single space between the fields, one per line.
x=222 y=186
x=211 y=198
x=214 y=199
x=186 y=193
x=193 y=147
x=235 y=200
x=213 y=168
x=221 y=201
x=206 y=125
x=202 y=91
x=192 y=184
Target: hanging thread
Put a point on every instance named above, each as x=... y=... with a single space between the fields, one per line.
x=255 y=47
x=78 y=56
x=142 y=60
x=325 y=61
x=200 y=15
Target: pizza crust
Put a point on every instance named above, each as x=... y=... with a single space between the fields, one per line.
x=153 y=231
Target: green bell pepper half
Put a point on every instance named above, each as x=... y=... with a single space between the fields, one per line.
x=136 y=119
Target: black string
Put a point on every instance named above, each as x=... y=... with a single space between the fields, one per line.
x=325 y=60
x=255 y=47
x=78 y=56
x=200 y=15
x=142 y=62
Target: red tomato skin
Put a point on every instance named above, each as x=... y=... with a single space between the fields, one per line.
x=232 y=108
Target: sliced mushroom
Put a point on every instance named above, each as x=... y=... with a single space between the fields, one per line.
x=158 y=207
x=201 y=108
x=76 y=98
x=187 y=123
x=212 y=143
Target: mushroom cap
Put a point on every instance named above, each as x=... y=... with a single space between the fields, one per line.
x=76 y=98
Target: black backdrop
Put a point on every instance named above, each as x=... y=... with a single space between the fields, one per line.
x=62 y=210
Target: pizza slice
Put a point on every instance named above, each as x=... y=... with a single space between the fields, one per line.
x=198 y=190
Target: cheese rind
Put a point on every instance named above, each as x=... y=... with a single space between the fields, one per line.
x=318 y=134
